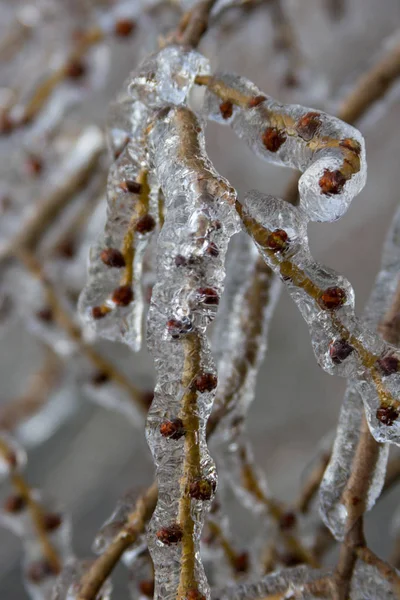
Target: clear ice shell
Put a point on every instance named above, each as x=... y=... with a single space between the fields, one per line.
x=199 y=217
x=67 y=586
x=326 y=326
x=336 y=477
x=298 y=148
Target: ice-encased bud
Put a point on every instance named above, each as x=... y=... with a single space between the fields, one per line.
x=12 y=455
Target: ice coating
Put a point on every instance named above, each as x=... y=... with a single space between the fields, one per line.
x=68 y=584
x=330 y=153
x=12 y=455
x=141 y=577
x=368 y=583
x=297 y=583
x=332 y=506
x=199 y=220
x=112 y=301
x=341 y=343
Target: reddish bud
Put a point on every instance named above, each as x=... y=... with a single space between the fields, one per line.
x=100 y=378
x=387 y=415
x=256 y=101
x=145 y=224
x=14 y=504
x=40 y=570
x=208 y=295
x=45 y=314
x=212 y=250
x=241 y=562
x=332 y=298
x=34 y=165
x=173 y=429
x=206 y=382
x=287 y=521
x=273 y=139
x=112 y=257
x=277 y=240
x=226 y=109
x=332 y=182
x=52 y=521
x=146 y=587
x=99 y=312
x=339 y=350
x=170 y=535
x=202 y=489
x=177 y=328
x=66 y=249
x=75 y=69
x=124 y=27
x=194 y=595
x=123 y=295
x=308 y=125
x=130 y=185
x=388 y=365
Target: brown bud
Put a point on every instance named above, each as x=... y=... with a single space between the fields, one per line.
x=145 y=224
x=40 y=570
x=124 y=27
x=45 y=314
x=52 y=521
x=206 y=382
x=277 y=240
x=208 y=295
x=66 y=248
x=241 y=562
x=256 y=101
x=332 y=298
x=308 y=125
x=75 y=69
x=273 y=139
x=173 y=429
x=146 y=587
x=130 y=185
x=226 y=109
x=332 y=182
x=112 y=257
x=99 y=312
x=202 y=489
x=287 y=521
x=170 y=535
x=177 y=328
x=14 y=504
x=34 y=165
x=100 y=378
x=339 y=350
x=388 y=365
x=123 y=295
x=194 y=595
x=212 y=250
x=387 y=415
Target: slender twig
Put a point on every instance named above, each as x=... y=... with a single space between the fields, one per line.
x=36 y=512
x=193 y=25
x=40 y=385
x=66 y=322
x=102 y=567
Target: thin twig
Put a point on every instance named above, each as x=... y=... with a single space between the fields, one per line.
x=102 y=567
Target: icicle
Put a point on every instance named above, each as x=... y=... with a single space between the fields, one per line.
x=330 y=153
x=199 y=221
x=341 y=343
x=339 y=470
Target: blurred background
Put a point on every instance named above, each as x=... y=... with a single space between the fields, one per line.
x=95 y=454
